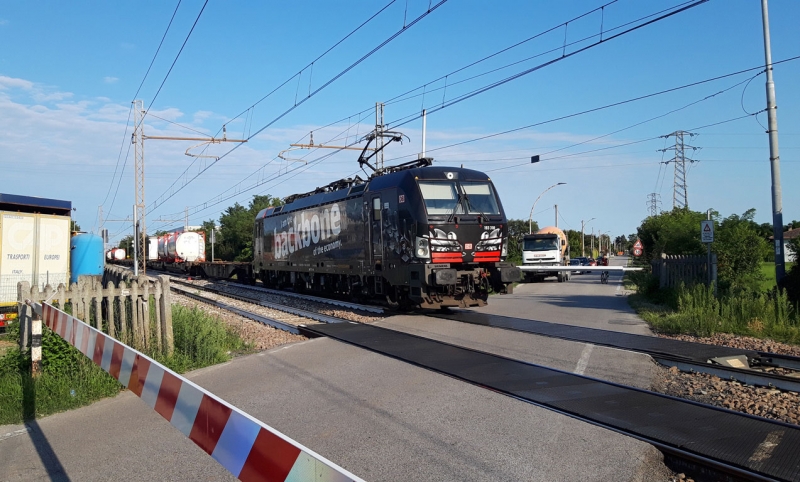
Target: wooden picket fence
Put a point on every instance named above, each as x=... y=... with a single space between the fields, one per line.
x=134 y=310
x=674 y=270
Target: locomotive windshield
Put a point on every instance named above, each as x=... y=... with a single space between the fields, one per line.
x=480 y=198
x=442 y=197
x=540 y=244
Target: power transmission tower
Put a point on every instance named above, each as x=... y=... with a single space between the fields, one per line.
x=653 y=203
x=680 y=195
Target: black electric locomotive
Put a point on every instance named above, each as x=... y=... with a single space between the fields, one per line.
x=416 y=235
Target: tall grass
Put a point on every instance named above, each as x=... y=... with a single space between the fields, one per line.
x=699 y=312
x=70 y=380
x=200 y=340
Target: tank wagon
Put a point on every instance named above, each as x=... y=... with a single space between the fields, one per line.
x=416 y=235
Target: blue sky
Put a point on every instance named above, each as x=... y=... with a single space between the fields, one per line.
x=69 y=71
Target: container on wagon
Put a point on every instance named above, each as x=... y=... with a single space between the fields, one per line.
x=87 y=256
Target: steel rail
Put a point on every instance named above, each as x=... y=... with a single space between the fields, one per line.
x=318 y=299
x=247 y=314
x=275 y=306
x=743 y=375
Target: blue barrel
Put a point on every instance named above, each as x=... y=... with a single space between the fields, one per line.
x=86 y=256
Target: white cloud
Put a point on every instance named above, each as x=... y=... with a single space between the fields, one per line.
x=110 y=80
x=201 y=116
x=14 y=83
x=51 y=96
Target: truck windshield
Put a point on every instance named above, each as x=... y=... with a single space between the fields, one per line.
x=441 y=197
x=480 y=198
x=540 y=244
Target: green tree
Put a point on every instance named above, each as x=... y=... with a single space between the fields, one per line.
x=574 y=241
x=740 y=250
x=74 y=226
x=673 y=232
x=235 y=241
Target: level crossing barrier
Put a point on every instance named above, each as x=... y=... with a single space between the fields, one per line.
x=245 y=446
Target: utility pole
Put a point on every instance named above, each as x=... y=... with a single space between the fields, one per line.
x=653 y=201
x=774 y=155
x=591 y=239
x=680 y=195
x=583 y=236
x=138 y=137
x=556 y=208
x=140 y=228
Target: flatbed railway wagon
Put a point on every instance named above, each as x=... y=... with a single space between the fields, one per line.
x=34 y=246
x=418 y=236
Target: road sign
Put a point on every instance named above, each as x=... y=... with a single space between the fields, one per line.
x=707 y=231
x=638 y=244
x=637 y=251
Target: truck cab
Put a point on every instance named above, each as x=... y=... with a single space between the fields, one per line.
x=546 y=247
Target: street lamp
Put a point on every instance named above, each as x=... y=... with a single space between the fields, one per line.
x=583 y=244
x=530 y=218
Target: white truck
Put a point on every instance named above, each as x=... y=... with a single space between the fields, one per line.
x=547 y=247
x=34 y=246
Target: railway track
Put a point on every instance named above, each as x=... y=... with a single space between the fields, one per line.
x=698 y=438
x=723 y=362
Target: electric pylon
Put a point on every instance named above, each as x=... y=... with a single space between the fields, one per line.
x=680 y=195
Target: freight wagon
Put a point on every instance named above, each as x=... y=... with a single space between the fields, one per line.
x=34 y=246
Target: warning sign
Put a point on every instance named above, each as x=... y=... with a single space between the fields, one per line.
x=707 y=231
x=638 y=249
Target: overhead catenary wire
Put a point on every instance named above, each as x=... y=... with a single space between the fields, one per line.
x=604 y=107
x=586 y=112
x=682 y=7
x=564 y=56
x=175 y=61
x=127 y=123
x=162 y=199
x=252 y=107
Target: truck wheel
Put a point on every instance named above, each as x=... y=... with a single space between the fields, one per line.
x=560 y=277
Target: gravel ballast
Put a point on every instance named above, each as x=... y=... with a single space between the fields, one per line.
x=764 y=402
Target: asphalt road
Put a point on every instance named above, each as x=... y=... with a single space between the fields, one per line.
x=380 y=418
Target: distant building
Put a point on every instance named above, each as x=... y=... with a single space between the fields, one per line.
x=788 y=254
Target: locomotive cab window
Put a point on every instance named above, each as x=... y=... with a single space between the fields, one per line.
x=480 y=198
x=376 y=209
x=441 y=197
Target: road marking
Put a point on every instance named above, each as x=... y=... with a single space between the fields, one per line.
x=14 y=433
x=619 y=288
x=584 y=360
x=765 y=448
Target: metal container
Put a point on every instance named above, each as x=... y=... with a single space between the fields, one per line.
x=87 y=257
x=190 y=246
x=115 y=254
x=152 y=248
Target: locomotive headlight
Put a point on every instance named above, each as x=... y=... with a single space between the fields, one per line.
x=423 y=249
x=504 y=253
